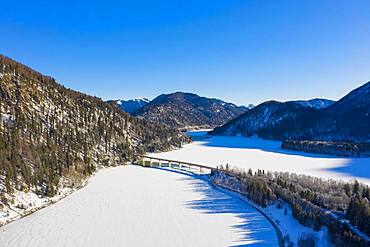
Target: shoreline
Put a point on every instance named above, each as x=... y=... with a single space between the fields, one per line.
x=279 y=234
x=49 y=201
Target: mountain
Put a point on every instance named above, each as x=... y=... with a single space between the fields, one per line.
x=131 y=105
x=270 y=120
x=351 y=114
x=50 y=135
x=188 y=110
x=315 y=103
x=248 y=107
x=346 y=120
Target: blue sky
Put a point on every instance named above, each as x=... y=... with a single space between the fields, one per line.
x=240 y=51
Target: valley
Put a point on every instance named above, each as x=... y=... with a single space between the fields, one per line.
x=69 y=160
x=185 y=123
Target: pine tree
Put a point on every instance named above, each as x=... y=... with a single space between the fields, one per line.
x=347 y=189
x=356 y=187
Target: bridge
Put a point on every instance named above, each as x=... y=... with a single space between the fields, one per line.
x=149 y=161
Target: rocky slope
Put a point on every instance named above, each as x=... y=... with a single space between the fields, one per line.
x=346 y=120
x=187 y=110
x=50 y=134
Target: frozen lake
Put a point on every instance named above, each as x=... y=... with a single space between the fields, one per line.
x=257 y=153
x=135 y=206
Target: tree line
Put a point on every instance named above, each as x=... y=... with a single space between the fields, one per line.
x=315 y=202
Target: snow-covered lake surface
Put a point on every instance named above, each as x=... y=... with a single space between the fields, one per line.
x=257 y=153
x=135 y=206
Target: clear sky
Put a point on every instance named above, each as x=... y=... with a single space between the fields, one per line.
x=240 y=51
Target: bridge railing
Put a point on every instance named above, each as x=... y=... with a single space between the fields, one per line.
x=149 y=161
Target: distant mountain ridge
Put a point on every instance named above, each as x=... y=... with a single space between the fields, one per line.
x=187 y=110
x=345 y=120
x=130 y=106
x=271 y=120
x=315 y=103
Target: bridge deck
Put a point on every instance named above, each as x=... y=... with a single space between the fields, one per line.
x=178 y=162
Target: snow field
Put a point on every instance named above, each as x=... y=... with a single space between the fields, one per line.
x=261 y=154
x=136 y=206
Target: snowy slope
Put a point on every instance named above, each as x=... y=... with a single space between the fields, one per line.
x=290 y=228
x=135 y=206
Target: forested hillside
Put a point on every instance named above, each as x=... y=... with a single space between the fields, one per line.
x=187 y=111
x=346 y=120
x=315 y=202
x=316 y=103
x=49 y=133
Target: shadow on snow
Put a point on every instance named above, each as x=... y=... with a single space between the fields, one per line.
x=253 y=229
x=353 y=167
x=356 y=167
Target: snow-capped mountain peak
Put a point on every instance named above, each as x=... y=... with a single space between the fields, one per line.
x=132 y=105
